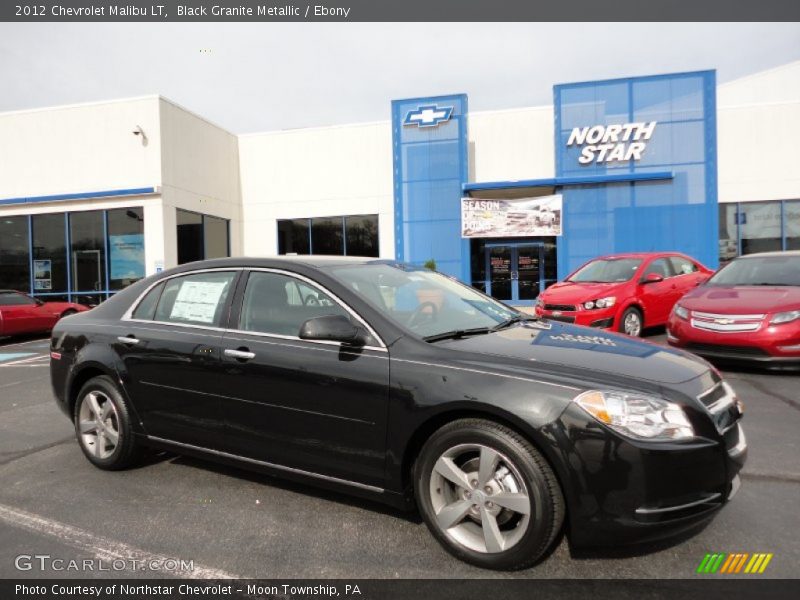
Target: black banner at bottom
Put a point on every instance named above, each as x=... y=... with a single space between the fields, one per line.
x=405 y=589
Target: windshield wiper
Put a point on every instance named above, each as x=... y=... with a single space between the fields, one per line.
x=456 y=334
x=513 y=320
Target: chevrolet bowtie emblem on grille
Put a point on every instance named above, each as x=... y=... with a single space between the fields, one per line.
x=723 y=321
x=428 y=116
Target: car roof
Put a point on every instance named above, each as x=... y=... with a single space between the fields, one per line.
x=638 y=255
x=790 y=253
x=315 y=260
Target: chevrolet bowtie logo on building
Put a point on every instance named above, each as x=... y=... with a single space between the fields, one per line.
x=736 y=563
x=428 y=116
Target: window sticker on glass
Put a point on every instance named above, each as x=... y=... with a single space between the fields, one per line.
x=197 y=301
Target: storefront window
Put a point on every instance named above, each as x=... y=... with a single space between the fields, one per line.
x=760 y=226
x=791 y=216
x=125 y=247
x=293 y=236
x=49 y=253
x=355 y=235
x=87 y=252
x=14 y=254
x=190 y=236
x=326 y=236
x=215 y=235
x=362 y=235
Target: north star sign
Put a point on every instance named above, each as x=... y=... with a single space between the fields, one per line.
x=428 y=116
x=611 y=143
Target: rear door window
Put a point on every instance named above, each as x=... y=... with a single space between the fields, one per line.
x=660 y=266
x=196 y=299
x=682 y=266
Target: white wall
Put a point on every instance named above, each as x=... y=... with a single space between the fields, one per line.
x=318 y=172
x=80 y=148
x=512 y=144
x=758 y=125
x=200 y=172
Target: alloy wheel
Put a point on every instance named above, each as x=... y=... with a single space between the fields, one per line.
x=632 y=324
x=479 y=498
x=98 y=423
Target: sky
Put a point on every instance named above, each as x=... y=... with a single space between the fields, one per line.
x=262 y=77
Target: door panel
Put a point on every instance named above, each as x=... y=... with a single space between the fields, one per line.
x=499 y=272
x=527 y=266
x=171 y=349
x=315 y=406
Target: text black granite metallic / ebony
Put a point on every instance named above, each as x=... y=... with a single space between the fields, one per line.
x=396 y=383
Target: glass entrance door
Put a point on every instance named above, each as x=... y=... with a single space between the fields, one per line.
x=514 y=272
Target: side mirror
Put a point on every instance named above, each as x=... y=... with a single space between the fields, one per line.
x=332 y=328
x=652 y=278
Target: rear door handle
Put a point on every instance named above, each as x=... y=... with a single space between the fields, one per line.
x=242 y=354
x=128 y=340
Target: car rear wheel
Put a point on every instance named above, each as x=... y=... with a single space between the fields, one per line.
x=102 y=425
x=487 y=495
x=68 y=312
x=631 y=322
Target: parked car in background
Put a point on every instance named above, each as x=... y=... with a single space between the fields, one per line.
x=623 y=292
x=20 y=314
x=748 y=311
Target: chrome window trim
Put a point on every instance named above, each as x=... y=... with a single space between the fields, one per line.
x=128 y=316
x=270 y=465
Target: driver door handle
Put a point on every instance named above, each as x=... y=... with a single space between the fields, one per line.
x=239 y=354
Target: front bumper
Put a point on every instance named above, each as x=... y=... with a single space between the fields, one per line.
x=601 y=318
x=770 y=346
x=620 y=491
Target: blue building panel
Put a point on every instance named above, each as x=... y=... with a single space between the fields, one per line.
x=429 y=143
x=679 y=213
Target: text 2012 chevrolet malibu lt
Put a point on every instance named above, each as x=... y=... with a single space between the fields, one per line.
x=403 y=385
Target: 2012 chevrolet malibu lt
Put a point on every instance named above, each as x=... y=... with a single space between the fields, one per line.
x=404 y=385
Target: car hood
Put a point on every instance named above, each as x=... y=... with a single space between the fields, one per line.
x=568 y=292
x=583 y=350
x=742 y=299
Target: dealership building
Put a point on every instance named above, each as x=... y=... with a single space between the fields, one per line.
x=96 y=196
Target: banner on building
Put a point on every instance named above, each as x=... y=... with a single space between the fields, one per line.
x=539 y=216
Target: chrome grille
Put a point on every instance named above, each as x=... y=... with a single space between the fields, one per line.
x=726 y=323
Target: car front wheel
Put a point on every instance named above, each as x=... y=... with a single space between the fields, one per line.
x=631 y=322
x=487 y=495
x=102 y=425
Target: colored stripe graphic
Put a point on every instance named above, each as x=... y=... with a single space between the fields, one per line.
x=734 y=563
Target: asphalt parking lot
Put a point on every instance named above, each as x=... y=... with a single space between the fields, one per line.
x=234 y=523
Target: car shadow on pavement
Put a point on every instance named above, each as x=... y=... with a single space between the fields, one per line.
x=411 y=516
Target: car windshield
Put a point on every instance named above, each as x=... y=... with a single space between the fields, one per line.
x=14 y=299
x=607 y=270
x=764 y=270
x=427 y=303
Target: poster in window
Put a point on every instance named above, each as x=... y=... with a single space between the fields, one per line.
x=127 y=256
x=540 y=216
x=42 y=275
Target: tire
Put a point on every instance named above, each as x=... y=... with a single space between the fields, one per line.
x=68 y=312
x=630 y=317
x=511 y=539
x=97 y=442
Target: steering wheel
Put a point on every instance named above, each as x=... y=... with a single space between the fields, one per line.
x=421 y=314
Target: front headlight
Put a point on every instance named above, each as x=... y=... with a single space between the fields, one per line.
x=785 y=317
x=600 y=303
x=638 y=416
x=681 y=312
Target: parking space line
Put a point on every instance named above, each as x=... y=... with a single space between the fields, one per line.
x=22 y=361
x=100 y=547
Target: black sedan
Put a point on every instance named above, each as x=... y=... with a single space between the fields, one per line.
x=404 y=385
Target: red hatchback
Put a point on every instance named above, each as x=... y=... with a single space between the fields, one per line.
x=748 y=311
x=20 y=314
x=623 y=292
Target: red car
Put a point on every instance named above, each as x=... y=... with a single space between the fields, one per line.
x=623 y=292
x=748 y=311
x=19 y=313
